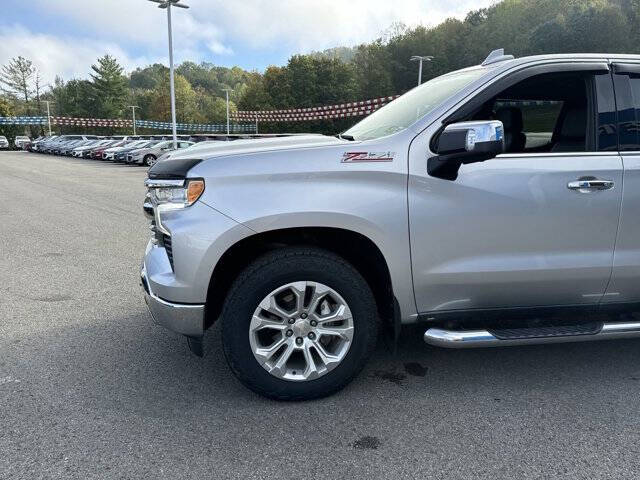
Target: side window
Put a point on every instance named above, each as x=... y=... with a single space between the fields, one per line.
x=631 y=125
x=607 y=133
x=539 y=119
x=627 y=87
x=554 y=113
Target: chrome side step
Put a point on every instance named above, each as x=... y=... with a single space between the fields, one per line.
x=485 y=338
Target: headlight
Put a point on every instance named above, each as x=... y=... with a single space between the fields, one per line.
x=170 y=195
x=174 y=194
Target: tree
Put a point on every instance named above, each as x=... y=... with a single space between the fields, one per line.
x=110 y=90
x=73 y=98
x=186 y=102
x=16 y=78
x=372 y=73
x=9 y=131
x=149 y=77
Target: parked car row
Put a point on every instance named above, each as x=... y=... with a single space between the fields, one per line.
x=19 y=142
x=140 y=150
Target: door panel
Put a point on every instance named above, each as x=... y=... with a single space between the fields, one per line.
x=625 y=280
x=510 y=233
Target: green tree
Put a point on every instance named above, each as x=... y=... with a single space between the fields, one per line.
x=372 y=72
x=9 y=131
x=110 y=90
x=186 y=102
x=147 y=78
x=16 y=78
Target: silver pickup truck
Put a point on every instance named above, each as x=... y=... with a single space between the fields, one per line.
x=495 y=205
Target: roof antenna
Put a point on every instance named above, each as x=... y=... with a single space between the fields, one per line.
x=497 y=56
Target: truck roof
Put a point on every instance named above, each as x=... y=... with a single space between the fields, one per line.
x=507 y=61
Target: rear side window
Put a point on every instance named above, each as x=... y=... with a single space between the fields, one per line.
x=627 y=86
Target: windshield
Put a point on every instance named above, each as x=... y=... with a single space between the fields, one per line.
x=413 y=105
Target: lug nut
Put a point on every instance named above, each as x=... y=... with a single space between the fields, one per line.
x=303 y=316
x=292 y=321
x=299 y=341
x=289 y=333
x=314 y=323
x=312 y=336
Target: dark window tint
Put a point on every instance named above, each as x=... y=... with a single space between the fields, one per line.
x=539 y=119
x=607 y=136
x=551 y=112
x=628 y=98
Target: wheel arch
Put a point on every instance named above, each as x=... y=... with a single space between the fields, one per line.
x=356 y=248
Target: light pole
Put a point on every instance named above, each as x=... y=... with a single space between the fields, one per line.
x=133 y=112
x=168 y=4
x=48 y=116
x=226 y=90
x=421 y=58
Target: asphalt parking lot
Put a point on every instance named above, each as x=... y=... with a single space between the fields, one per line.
x=90 y=388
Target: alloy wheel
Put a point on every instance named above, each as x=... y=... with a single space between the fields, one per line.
x=301 y=331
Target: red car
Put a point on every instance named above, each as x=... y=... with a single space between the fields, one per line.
x=97 y=152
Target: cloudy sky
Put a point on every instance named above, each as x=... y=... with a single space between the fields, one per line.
x=66 y=36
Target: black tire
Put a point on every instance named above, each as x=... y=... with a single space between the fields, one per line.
x=272 y=271
x=148 y=160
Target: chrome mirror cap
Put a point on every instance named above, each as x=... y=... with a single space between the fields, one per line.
x=481 y=131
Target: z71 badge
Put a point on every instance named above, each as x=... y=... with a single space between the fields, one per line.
x=357 y=157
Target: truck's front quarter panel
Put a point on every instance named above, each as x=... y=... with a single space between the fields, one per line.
x=199 y=237
x=316 y=187
x=179 y=262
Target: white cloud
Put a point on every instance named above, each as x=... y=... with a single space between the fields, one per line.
x=314 y=25
x=69 y=57
x=209 y=30
x=140 y=22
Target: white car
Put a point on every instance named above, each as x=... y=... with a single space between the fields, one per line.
x=110 y=153
x=20 y=141
x=4 y=143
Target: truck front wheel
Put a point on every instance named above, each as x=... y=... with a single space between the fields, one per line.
x=298 y=323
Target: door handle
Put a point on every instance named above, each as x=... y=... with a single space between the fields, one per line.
x=590 y=184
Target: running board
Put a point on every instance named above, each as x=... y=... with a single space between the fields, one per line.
x=530 y=336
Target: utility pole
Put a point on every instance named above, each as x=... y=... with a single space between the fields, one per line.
x=419 y=58
x=133 y=112
x=226 y=90
x=167 y=4
x=48 y=116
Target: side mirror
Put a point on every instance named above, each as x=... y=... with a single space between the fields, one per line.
x=465 y=142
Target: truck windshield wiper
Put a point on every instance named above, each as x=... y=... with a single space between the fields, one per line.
x=342 y=136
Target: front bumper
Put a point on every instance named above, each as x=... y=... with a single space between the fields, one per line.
x=186 y=319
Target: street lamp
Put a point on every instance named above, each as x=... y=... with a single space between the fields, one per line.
x=133 y=112
x=168 y=4
x=420 y=58
x=226 y=90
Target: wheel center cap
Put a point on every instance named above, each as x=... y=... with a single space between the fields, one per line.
x=301 y=328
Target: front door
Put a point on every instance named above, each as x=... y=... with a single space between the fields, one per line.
x=535 y=226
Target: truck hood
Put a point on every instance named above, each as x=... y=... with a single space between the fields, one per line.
x=214 y=149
